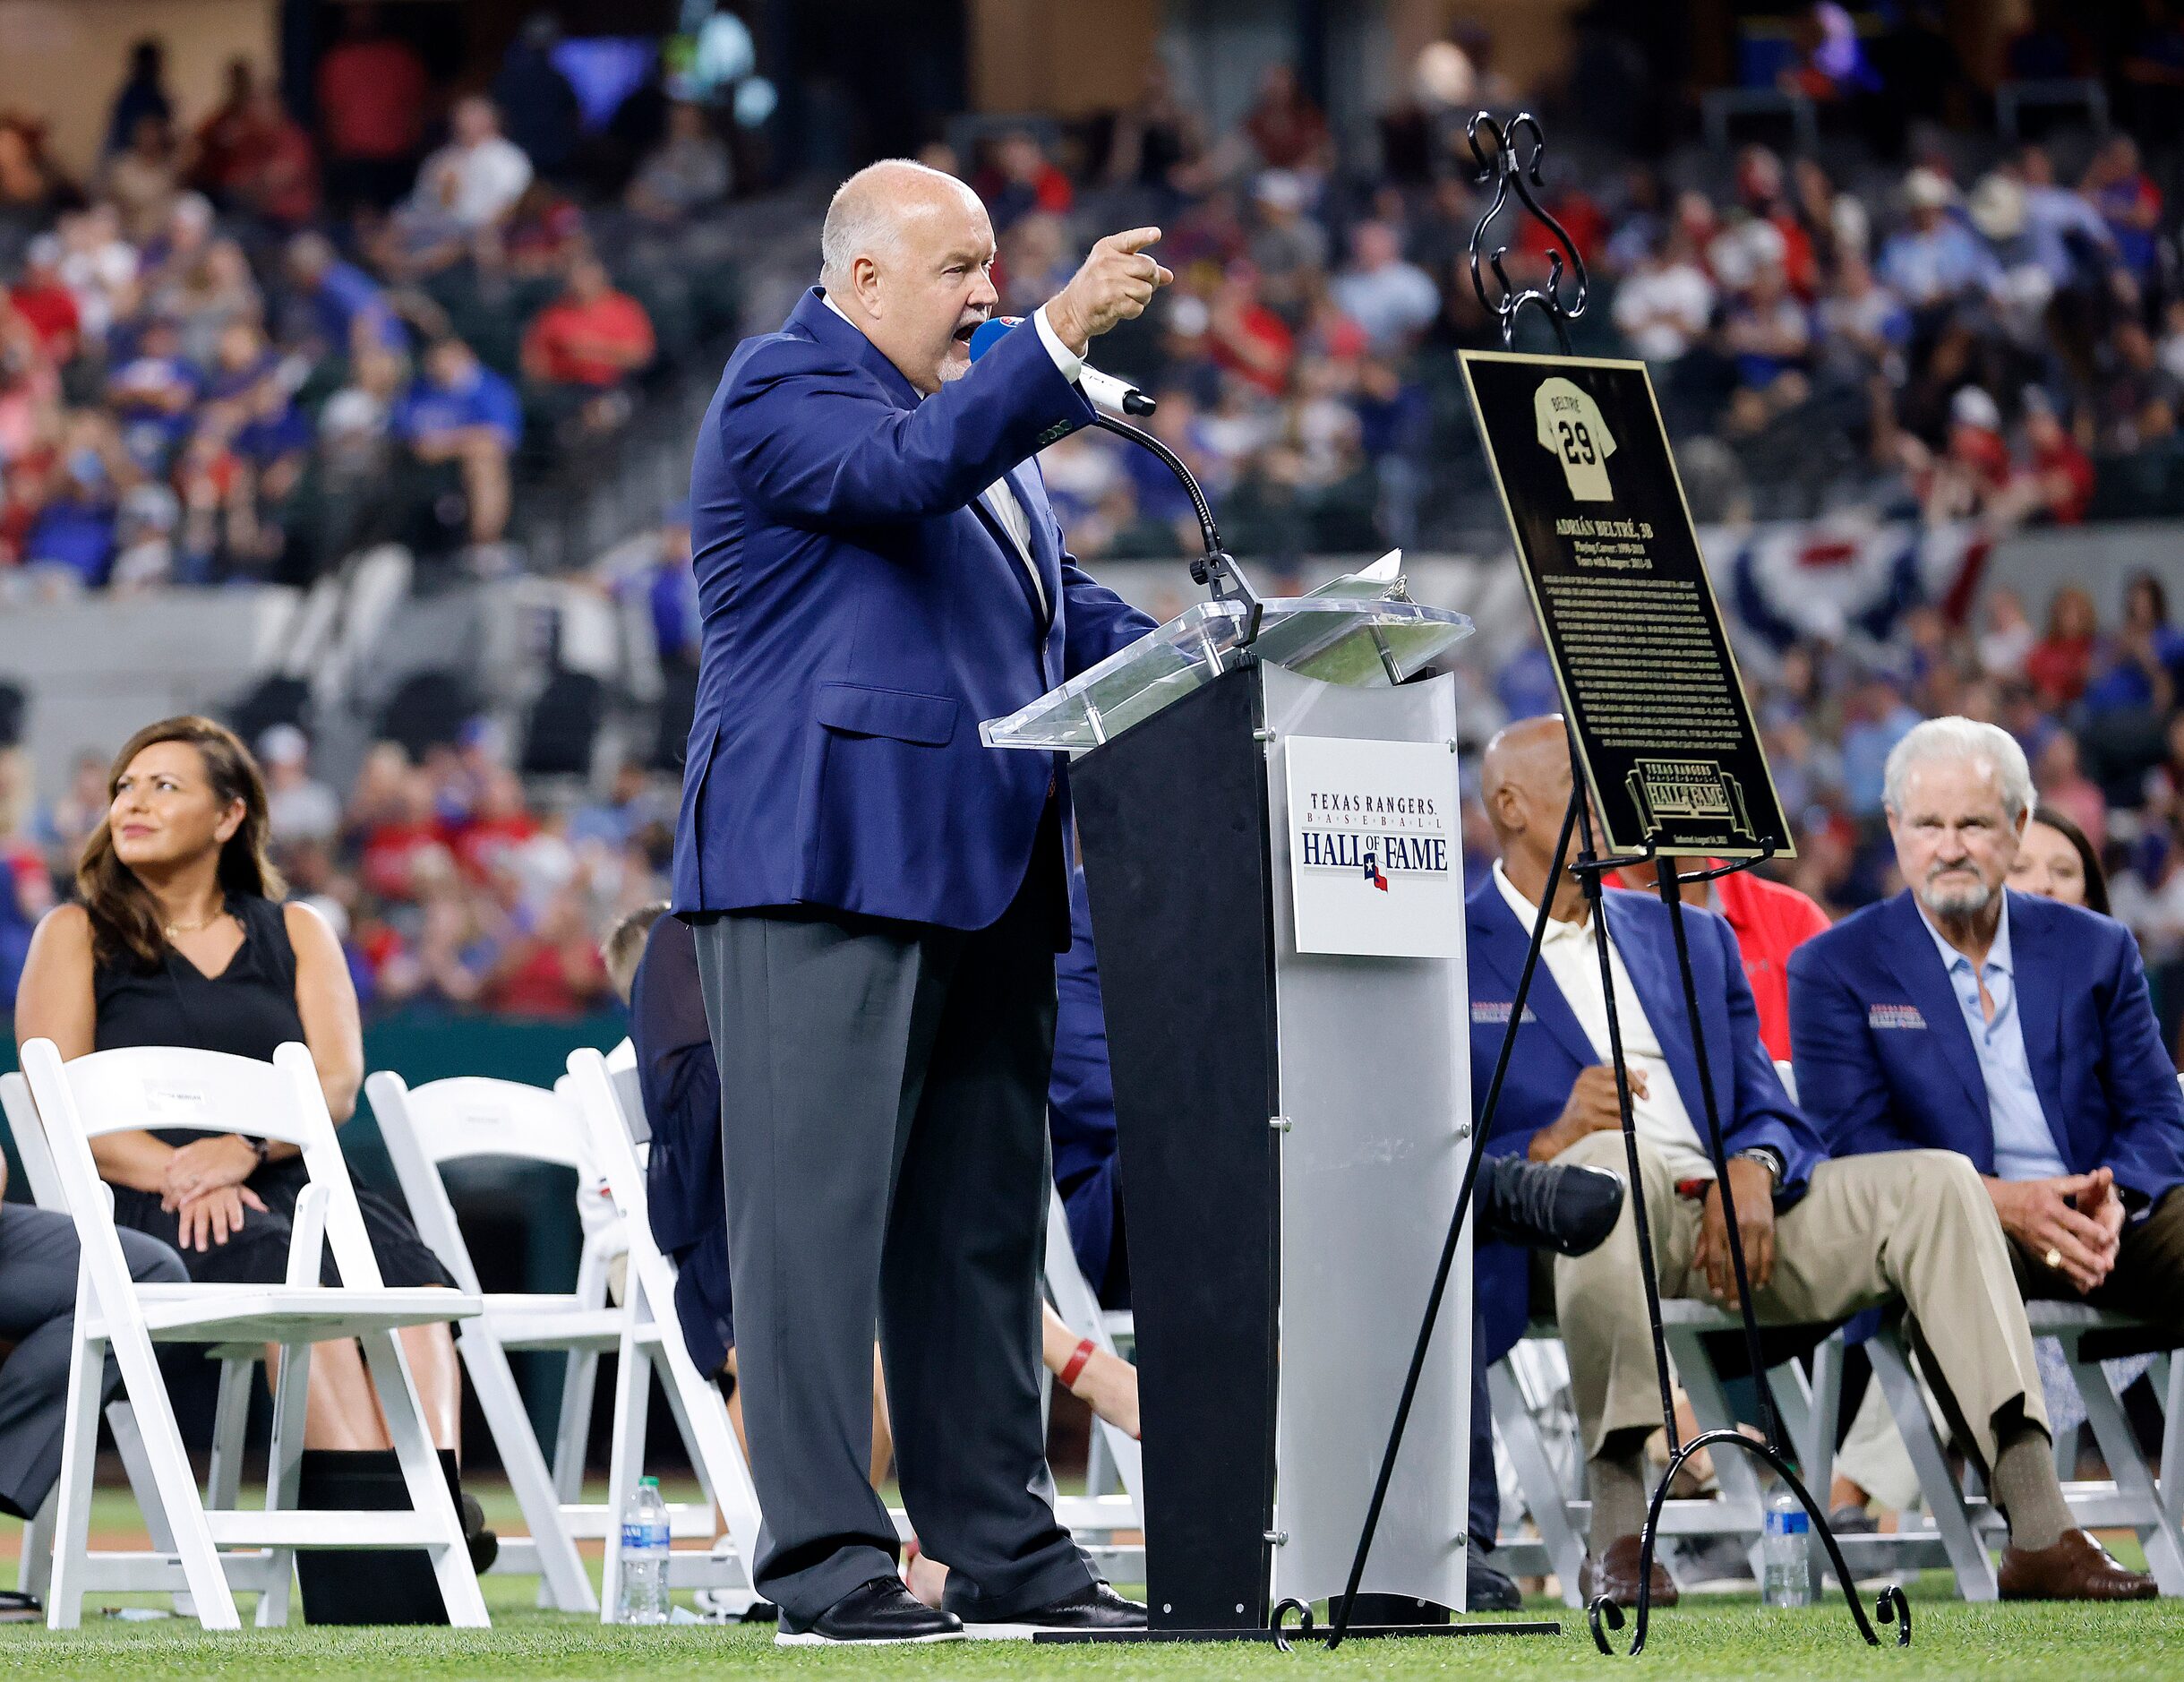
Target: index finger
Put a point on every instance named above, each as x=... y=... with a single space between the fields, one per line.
x=1133 y=240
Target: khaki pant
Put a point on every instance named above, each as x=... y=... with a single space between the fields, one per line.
x=1915 y=1226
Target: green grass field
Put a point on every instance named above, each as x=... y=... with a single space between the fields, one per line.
x=1708 y=1638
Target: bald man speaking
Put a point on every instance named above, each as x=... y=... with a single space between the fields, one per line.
x=879 y=899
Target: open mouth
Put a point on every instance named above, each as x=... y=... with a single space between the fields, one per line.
x=963 y=333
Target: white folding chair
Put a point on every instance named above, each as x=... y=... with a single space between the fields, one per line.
x=651 y=1338
x=469 y=1119
x=34 y=1569
x=142 y=1086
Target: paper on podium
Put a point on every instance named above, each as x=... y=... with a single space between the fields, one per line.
x=1359 y=631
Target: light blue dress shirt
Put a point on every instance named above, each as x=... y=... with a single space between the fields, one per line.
x=2024 y=1145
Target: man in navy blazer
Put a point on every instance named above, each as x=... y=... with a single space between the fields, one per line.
x=877 y=898
x=1965 y=1017
x=1822 y=1238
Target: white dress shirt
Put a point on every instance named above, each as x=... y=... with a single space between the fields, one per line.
x=1573 y=960
x=1000 y=500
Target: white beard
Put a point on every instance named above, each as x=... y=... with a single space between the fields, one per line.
x=1959 y=902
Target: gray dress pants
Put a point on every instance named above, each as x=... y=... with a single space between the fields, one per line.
x=38 y=1313
x=884 y=1139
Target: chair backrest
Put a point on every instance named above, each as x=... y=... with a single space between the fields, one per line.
x=597 y=1101
x=29 y=1135
x=630 y=1092
x=464 y=1118
x=158 y=1086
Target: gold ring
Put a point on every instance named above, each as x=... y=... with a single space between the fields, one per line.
x=2053 y=1258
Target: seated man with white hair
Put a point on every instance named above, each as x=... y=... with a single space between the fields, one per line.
x=2016 y=1030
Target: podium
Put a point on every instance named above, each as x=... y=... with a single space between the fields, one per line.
x=1273 y=843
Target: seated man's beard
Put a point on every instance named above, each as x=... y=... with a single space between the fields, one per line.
x=1956 y=902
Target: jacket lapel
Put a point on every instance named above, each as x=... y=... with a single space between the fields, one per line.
x=2039 y=1014
x=1501 y=941
x=813 y=315
x=1919 y=969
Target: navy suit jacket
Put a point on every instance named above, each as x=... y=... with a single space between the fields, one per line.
x=684 y=1191
x=862 y=612
x=1081 y=1097
x=1884 y=1058
x=1551 y=1048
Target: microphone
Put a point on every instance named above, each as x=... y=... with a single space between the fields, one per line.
x=1102 y=391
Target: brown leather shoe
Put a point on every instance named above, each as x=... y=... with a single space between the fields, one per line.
x=1615 y=1575
x=2075 y=1568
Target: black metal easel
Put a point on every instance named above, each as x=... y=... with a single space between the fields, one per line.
x=1518 y=173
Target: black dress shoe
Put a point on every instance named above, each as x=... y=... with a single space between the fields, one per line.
x=1562 y=1206
x=1094 y=1606
x=881 y=1610
x=1486 y=1590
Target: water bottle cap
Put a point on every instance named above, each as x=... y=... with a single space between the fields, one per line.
x=647 y=1483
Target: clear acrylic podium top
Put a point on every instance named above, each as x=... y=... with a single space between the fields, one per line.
x=1359 y=631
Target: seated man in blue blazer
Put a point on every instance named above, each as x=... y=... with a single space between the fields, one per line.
x=877 y=898
x=1822 y=1238
x=2015 y=1030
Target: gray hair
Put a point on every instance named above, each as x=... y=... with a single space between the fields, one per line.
x=864 y=217
x=1955 y=738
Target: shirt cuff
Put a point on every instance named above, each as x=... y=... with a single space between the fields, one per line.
x=1066 y=359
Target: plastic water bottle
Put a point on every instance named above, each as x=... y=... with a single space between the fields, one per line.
x=1783 y=1551
x=644 y=1557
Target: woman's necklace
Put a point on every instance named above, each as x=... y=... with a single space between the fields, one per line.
x=171 y=930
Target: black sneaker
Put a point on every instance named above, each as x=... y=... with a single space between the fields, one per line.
x=1562 y=1206
x=880 y=1611
x=1093 y=1607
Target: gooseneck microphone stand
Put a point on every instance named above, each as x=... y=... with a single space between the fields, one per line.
x=1516 y=173
x=1215 y=568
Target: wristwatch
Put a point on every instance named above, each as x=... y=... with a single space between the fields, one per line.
x=264 y=1149
x=1768 y=1155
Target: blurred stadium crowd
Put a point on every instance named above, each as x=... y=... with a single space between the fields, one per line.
x=242 y=350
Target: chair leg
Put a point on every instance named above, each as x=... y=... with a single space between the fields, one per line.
x=1827 y=1417
x=1968 y=1554
x=78 y=1453
x=427 y=1484
x=702 y=1415
x=230 y=1421
x=34 y=1569
x=562 y=1579
x=1544 y=1494
x=2111 y=1429
x=632 y=1397
x=572 y=1432
x=284 y=1469
x=121 y=1420
x=2172 y=1439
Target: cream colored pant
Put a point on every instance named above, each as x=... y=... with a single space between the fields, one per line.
x=1911 y=1224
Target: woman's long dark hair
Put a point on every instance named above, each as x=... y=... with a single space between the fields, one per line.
x=2096 y=879
x=126 y=921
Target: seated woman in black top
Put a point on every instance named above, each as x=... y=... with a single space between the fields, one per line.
x=180 y=940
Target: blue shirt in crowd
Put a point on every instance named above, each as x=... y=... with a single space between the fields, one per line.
x=2023 y=1145
x=483 y=400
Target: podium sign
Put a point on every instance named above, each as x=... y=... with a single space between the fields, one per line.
x=1376 y=855
x=1608 y=552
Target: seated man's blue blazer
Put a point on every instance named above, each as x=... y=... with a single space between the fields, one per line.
x=1551 y=1048
x=1885 y=1062
x=862 y=612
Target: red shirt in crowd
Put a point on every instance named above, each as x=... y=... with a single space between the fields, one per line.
x=51 y=312
x=574 y=342
x=549 y=980
x=2057 y=668
x=2060 y=464
x=372 y=99
x=1770 y=921
x=389 y=856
